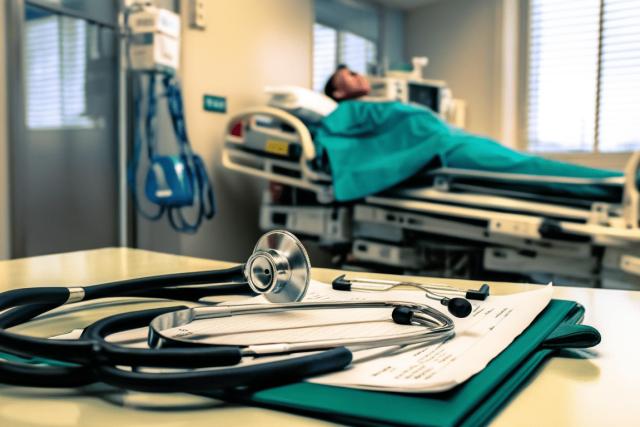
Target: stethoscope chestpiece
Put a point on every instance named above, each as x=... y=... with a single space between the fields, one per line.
x=279 y=267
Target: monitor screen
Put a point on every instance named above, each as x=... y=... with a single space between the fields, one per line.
x=426 y=95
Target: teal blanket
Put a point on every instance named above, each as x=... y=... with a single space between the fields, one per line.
x=372 y=146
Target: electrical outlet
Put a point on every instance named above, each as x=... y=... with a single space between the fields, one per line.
x=197 y=18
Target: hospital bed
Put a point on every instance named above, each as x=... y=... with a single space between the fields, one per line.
x=463 y=222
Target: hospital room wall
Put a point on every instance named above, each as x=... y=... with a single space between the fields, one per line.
x=4 y=155
x=246 y=46
x=392 y=43
x=462 y=39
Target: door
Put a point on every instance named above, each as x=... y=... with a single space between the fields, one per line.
x=63 y=105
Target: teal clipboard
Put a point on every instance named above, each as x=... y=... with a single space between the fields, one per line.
x=473 y=403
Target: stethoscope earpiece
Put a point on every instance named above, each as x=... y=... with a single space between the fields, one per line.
x=459 y=307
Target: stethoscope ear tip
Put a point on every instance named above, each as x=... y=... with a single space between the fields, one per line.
x=459 y=307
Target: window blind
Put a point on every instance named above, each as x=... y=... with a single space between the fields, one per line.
x=356 y=52
x=619 y=118
x=325 y=54
x=332 y=47
x=583 y=75
x=563 y=67
x=55 y=57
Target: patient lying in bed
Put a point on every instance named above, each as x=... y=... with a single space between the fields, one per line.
x=372 y=146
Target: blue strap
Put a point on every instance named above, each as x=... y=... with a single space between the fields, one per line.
x=152 y=111
x=132 y=171
x=195 y=169
x=204 y=201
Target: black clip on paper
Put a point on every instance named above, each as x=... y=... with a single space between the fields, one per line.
x=341 y=284
x=480 y=294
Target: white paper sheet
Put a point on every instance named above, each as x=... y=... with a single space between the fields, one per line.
x=491 y=327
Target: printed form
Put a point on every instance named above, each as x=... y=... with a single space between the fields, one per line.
x=489 y=329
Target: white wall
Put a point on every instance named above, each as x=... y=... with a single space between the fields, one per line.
x=247 y=44
x=4 y=161
x=462 y=39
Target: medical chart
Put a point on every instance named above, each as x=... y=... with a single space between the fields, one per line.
x=489 y=329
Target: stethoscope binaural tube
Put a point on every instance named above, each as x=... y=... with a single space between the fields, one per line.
x=436 y=326
x=457 y=306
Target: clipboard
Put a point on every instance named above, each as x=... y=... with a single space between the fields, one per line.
x=472 y=403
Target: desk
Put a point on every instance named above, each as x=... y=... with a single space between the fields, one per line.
x=602 y=389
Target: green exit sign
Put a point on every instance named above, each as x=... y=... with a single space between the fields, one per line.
x=216 y=104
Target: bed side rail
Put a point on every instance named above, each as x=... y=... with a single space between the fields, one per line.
x=274 y=145
x=525 y=178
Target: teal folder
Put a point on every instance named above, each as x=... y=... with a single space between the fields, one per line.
x=473 y=403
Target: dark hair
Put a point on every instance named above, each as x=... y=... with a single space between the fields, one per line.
x=330 y=86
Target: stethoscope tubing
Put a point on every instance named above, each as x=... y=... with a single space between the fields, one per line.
x=105 y=356
x=22 y=305
x=109 y=356
x=194 y=356
x=282 y=371
x=79 y=351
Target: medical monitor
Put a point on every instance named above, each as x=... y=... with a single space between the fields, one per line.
x=424 y=92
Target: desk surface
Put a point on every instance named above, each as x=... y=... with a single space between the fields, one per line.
x=600 y=388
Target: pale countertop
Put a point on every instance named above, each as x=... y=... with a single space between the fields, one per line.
x=600 y=388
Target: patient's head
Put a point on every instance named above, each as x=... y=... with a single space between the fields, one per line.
x=346 y=84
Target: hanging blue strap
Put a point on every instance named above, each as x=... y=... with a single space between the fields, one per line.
x=132 y=170
x=204 y=201
x=195 y=172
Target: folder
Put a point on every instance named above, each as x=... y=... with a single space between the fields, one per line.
x=472 y=403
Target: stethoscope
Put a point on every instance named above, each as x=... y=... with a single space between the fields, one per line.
x=279 y=268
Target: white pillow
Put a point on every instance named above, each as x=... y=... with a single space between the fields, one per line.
x=304 y=103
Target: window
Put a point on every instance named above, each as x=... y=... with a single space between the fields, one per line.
x=56 y=65
x=584 y=75
x=357 y=53
x=325 y=54
x=332 y=47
